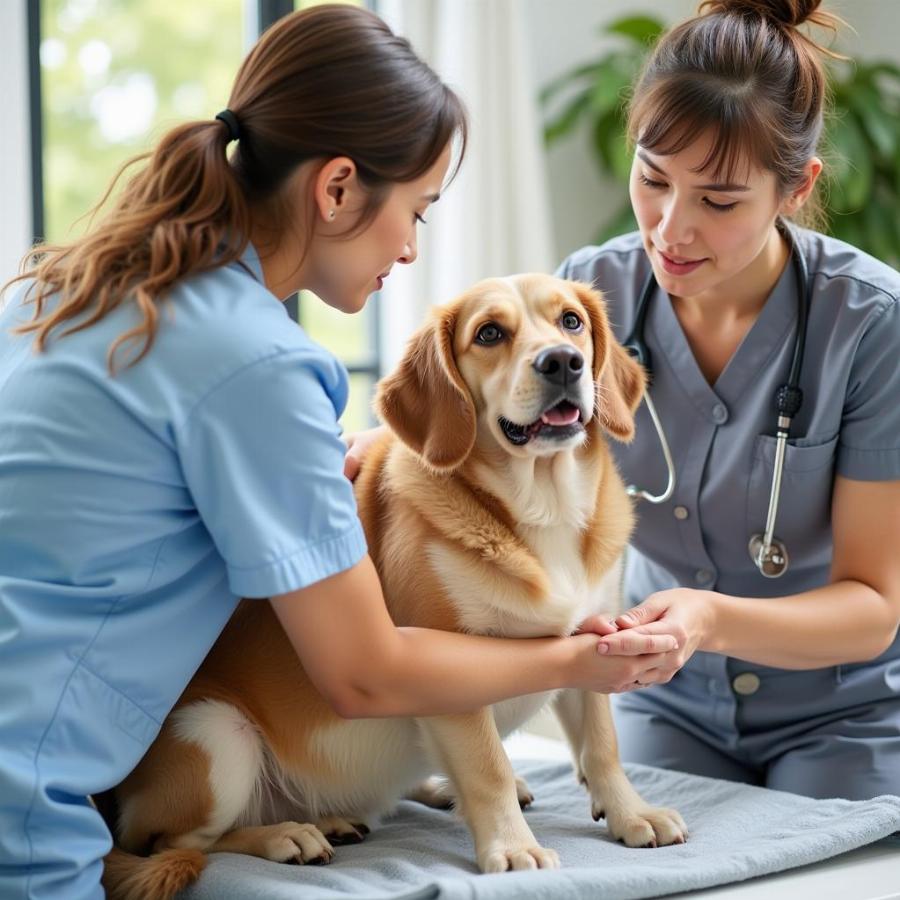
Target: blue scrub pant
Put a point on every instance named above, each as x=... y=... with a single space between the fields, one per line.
x=803 y=732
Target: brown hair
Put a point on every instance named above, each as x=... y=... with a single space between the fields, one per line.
x=330 y=81
x=742 y=70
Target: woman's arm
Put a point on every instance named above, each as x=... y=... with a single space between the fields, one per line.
x=852 y=619
x=365 y=666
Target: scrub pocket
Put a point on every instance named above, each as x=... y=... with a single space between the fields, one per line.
x=97 y=735
x=803 y=521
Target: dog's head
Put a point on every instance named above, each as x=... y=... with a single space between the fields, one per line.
x=528 y=362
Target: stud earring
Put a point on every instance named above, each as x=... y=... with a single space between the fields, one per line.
x=331 y=214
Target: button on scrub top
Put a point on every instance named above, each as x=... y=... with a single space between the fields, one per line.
x=134 y=511
x=723 y=445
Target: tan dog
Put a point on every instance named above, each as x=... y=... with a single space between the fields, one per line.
x=494 y=508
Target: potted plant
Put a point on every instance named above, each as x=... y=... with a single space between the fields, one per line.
x=862 y=140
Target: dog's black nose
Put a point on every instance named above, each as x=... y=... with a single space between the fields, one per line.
x=559 y=365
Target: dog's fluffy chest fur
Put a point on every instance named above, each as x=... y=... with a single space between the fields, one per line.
x=552 y=506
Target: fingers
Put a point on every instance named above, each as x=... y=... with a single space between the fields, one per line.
x=648 y=611
x=351 y=466
x=669 y=627
x=358 y=445
x=635 y=677
x=597 y=625
x=632 y=643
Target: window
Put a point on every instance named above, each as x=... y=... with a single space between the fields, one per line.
x=354 y=339
x=110 y=84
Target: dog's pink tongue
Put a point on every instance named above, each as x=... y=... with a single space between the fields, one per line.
x=560 y=415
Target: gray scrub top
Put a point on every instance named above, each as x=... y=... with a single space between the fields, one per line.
x=721 y=436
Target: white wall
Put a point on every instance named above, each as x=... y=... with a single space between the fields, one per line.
x=15 y=160
x=566 y=33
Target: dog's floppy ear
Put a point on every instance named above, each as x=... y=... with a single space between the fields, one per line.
x=620 y=379
x=622 y=385
x=425 y=400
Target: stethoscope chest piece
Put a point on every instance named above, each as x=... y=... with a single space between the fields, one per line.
x=772 y=561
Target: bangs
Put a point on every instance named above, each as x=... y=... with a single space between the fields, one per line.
x=671 y=116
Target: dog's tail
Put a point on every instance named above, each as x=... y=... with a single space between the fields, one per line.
x=157 y=877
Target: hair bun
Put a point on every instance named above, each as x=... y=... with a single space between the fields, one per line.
x=785 y=12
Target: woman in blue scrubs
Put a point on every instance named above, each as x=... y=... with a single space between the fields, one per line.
x=790 y=682
x=170 y=439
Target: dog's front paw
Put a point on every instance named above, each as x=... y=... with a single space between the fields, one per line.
x=515 y=856
x=646 y=826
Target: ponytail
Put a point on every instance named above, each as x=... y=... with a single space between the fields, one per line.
x=329 y=81
x=183 y=213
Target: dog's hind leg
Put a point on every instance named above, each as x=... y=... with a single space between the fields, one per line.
x=285 y=842
x=220 y=791
x=437 y=793
x=340 y=831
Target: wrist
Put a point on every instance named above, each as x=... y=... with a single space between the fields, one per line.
x=714 y=639
x=562 y=663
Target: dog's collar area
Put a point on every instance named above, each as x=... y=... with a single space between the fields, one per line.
x=561 y=421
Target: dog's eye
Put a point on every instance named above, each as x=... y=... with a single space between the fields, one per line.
x=571 y=322
x=488 y=334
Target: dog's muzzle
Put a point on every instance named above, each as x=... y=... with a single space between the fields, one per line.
x=560 y=420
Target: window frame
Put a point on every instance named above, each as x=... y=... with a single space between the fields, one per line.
x=267 y=12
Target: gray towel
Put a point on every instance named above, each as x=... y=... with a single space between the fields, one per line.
x=736 y=832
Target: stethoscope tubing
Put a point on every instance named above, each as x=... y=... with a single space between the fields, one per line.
x=632 y=489
x=767 y=551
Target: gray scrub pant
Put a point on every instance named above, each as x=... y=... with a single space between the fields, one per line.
x=823 y=733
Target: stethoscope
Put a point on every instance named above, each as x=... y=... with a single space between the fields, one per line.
x=767 y=551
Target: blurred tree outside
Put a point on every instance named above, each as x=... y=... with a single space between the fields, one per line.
x=116 y=75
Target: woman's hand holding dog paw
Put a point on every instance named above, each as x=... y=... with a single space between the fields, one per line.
x=638 y=661
x=683 y=614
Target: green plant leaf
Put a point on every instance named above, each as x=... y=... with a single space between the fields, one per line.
x=586 y=72
x=610 y=143
x=848 y=228
x=641 y=29
x=611 y=83
x=622 y=159
x=621 y=223
x=878 y=123
x=568 y=117
x=878 y=226
x=851 y=166
x=884 y=68
x=606 y=132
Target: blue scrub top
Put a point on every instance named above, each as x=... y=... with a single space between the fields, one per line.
x=134 y=510
x=722 y=442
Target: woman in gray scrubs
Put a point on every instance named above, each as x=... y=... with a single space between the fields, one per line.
x=790 y=682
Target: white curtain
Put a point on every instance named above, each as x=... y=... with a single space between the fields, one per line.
x=15 y=142
x=495 y=217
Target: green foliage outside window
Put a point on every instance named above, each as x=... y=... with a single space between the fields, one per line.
x=861 y=146
x=115 y=75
